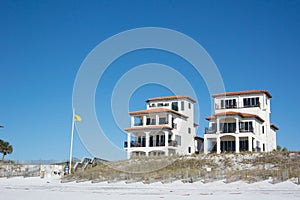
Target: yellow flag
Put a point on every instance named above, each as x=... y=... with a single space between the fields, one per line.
x=77 y=118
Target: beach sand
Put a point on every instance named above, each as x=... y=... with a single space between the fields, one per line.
x=52 y=188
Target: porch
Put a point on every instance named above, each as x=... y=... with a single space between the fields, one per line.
x=231 y=143
x=151 y=142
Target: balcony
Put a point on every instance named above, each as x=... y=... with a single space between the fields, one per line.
x=135 y=144
x=214 y=131
x=151 y=121
x=171 y=143
x=235 y=106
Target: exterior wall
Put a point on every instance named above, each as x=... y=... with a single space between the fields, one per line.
x=263 y=135
x=263 y=111
x=272 y=140
x=186 y=108
x=184 y=127
x=187 y=138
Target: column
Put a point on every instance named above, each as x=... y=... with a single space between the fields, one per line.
x=147 y=139
x=144 y=120
x=156 y=120
x=250 y=143
x=254 y=144
x=237 y=127
x=170 y=120
x=128 y=139
x=218 y=125
x=237 y=144
x=166 y=138
x=205 y=145
x=147 y=142
x=128 y=145
x=132 y=121
x=166 y=142
x=218 y=145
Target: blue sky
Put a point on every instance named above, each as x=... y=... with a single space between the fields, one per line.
x=255 y=44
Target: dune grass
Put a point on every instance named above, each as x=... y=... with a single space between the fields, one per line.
x=250 y=167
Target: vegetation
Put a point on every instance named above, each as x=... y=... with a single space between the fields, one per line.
x=279 y=148
x=244 y=166
x=5 y=148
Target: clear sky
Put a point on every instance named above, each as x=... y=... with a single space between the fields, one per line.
x=255 y=44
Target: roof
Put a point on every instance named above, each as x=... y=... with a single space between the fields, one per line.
x=274 y=126
x=148 y=127
x=243 y=92
x=170 y=98
x=156 y=110
x=230 y=113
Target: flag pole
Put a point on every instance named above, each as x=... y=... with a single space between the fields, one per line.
x=71 y=146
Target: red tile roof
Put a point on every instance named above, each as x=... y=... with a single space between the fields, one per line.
x=170 y=98
x=243 y=92
x=148 y=128
x=156 y=110
x=244 y=115
x=274 y=126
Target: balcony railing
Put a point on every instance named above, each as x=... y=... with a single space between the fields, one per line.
x=151 y=123
x=219 y=107
x=135 y=144
x=214 y=131
x=171 y=143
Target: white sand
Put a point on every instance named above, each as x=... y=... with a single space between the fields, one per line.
x=51 y=188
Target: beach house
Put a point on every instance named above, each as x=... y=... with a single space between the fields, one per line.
x=240 y=122
x=166 y=127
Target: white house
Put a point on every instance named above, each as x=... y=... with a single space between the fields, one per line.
x=166 y=127
x=241 y=122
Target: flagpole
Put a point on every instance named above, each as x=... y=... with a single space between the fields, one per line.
x=71 y=146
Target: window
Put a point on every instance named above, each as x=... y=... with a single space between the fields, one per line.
x=244 y=145
x=141 y=141
x=213 y=127
x=162 y=139
x=175 y=106
x=152 y=105
x=189 y=130
x=227 y=127
x=151 y=141
x=264 y=147
x=160 y=105
x=189 y=150
x=189 y=105
x=148 y=121
x=182 y=105
x=246 y=127
x=157 y=141
x=227 y=146
x=178 y=140
x=151 y=121
x=162 y=120
x=228 y=103
x=251 y=102
x=263 y=129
